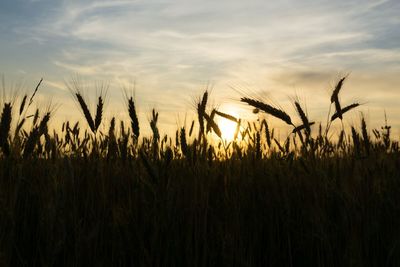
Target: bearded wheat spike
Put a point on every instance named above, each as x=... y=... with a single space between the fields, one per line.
x=278 y=113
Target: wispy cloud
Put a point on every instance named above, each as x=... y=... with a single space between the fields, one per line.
x=176 y=47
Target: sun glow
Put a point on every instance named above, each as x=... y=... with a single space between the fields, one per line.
x=227 y=127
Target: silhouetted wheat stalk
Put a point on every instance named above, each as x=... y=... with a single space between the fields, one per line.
x=5 y=125
x=277 y=113
x=191 y=128
x=22 y=106
x=153 y=125
x=264 y=124
x=335 y=97
x=356 y=141
x=183 y=142
x=133 y=117
x=306 y=125
x=302 y=127
x=366 y=139
x=209 y=118
x=226 y=116
x=34 y=92
x=85 y=111
x=237 y=130
x=112 y=150
x=99 y=113
x=201 y=108
x=212 y=125
x=35 y=134
x=344 y=110
x=335 y=93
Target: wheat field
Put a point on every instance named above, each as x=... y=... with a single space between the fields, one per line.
x=86 y=197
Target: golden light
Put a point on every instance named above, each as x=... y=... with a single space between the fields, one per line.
x=227 y=127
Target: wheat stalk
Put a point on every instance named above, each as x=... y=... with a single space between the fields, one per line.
x=301 y=127
x=182 y=141
x=112 y=149
x=210 y=118
x=339 y=111
x=335 y=93
x=31 y=142
x=5 y=124
x=134 y=118
x=341 y=138
x=237 y=129
x=43 y=124
x=226 y=116
x=278 y=113
x=35 y=134
x=303 y=117
x=356 y=140
x=35 y=117
x=344 y=110
x=22 y=106
x=204 y=101
x=267 y=133
x=112 y=127
x=279 y=146
x=258 y=145
x=85 y=111
x=211 y=123
x=153 y=125
x=34 y=92
x=191 y=128
x=201 y=108
x=99 y=113
x=365 y=136
x=19 y=127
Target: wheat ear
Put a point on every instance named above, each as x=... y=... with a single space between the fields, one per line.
x=134 y=118
x=99 y=113
x=85 y=111
x=344 y=110
x=278 y=113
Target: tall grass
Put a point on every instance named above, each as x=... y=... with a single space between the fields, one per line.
x=90 y=198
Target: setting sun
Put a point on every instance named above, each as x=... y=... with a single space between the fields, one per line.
x=227 y=127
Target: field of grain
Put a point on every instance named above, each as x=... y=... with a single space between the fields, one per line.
x=82 y=197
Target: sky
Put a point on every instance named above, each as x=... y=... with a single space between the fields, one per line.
x=172 y=50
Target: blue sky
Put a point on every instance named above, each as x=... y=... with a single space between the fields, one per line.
x=173 y=49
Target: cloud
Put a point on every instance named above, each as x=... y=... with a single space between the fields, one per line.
x=84 y=70
x=173 y=48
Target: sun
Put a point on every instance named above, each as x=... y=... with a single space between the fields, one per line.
x=227 y=127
